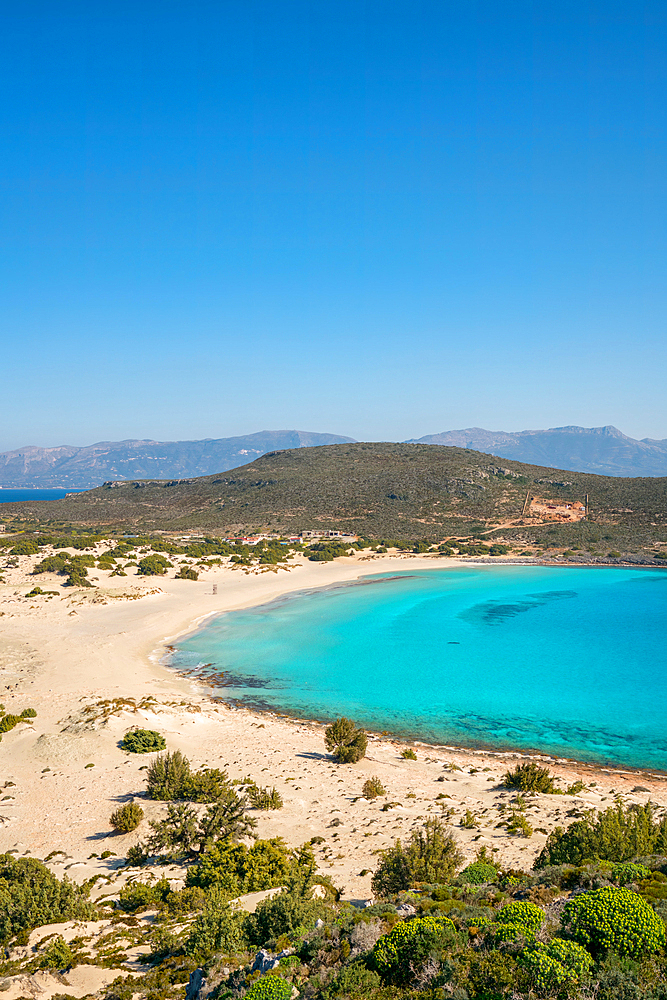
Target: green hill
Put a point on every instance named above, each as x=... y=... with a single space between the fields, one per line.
x=378 y=490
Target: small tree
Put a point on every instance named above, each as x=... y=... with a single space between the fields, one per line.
x=346 y=742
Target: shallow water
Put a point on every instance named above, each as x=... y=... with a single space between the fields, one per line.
x=571 y=661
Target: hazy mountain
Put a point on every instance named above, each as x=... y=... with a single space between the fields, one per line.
x=603 y=450
x=83 y=468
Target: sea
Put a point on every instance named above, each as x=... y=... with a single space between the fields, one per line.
x=567 y=661
x=14 y=496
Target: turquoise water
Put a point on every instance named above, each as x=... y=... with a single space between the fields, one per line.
x=571 y=661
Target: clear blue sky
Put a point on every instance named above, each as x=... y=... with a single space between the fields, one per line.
x=381 y=219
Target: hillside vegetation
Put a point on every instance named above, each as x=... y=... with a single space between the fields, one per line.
x=378 y=490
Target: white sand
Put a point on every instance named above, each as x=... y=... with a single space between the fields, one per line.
x=62 y=654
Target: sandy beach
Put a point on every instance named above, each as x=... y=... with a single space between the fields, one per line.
x=89 y=662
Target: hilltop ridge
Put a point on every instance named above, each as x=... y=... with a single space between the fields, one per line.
x=379 y=490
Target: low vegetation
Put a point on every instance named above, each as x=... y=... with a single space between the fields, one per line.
x=127 y=818
x=345 y=741
x=143 y=741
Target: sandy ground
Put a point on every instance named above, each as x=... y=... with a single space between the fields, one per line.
x=64 y=773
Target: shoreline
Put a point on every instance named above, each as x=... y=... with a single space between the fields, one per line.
x=168 y=646
x=89 y=663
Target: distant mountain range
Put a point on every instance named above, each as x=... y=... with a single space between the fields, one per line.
x=84 y=468
x=602 y=450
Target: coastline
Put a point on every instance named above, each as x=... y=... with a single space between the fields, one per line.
x=68 y=654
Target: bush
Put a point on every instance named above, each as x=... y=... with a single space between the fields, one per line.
x=553 y=965
x=288 y=914
x=372 y=788
x=143 y=741
x=613 y=919
x=153 y=566
x=28 y=713
x=187 y=573
x=264 y=798
x=627 y=872
x=137 y=896
x=616 y=834
x=24 y=547
x=530 y=778
x=478 y=873
x=8 y=722
x=169 y=779
x=236 y=868
x=353 y=981
x=431 y=855
x=346 y=742
x=31 y=896
x=57 y=956
x=270 y=987
x=520 y=919
x=219 y=928
x=404 y=950
x=408 y=754
x=127 y=818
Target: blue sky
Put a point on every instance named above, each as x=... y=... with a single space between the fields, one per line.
x=381 y=219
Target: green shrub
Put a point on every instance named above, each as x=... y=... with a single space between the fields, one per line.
x=135 y=896
x=28 y=713
x=431 y=855
x=187 y=573
x=236 y=868
x=404 y=950
x=127 y=818
x=270 y=987
x=520 y=919
x=143 y=741
x=614 y=919
x=408 y=754
x=553 y=965
x=8 y=722
x=286 y=914
x=616 y=834
x=354 y=980
x=57 y=955
x=346 y=742
x=529 y=777
x=373 y=788
x=153 y=566
x=478 y=873
x=264 y=798
x=218 y=928
x=24 y=547
x=627 y=872
x=487 y=975
x=169 y=778
x=31 y=896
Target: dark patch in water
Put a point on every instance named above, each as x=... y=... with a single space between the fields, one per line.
x=227 y=679
x=496 y=613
